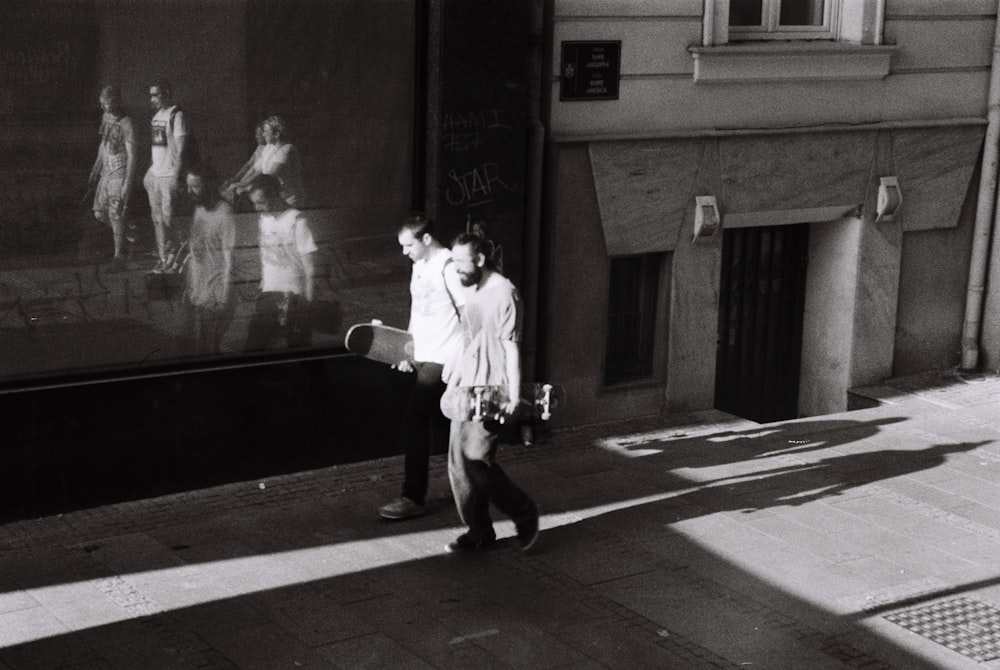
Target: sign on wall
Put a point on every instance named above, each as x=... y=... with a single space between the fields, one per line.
x=590 y=70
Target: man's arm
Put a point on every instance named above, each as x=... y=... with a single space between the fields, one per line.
x=228 y=242
x=95 y=171
x=513 y=356
x=308 y=272
x=130 y=158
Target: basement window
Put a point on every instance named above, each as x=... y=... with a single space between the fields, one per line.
x=632 y=299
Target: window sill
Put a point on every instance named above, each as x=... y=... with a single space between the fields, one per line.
x=790 y=61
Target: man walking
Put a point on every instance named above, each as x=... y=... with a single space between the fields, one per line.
x=489 y=356
x=114 y=168
x=209 y=262
x=169 y=134
x=436 y=298
x=287 y=270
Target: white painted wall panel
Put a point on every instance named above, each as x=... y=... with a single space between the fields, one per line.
x=941 y=44
x=648 y=107
x=940 y=7
x=627 y=8
x=648 y=47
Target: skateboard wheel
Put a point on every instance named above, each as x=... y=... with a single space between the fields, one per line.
x=376 y=322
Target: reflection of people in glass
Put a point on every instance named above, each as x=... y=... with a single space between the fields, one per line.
x=241 y=180
x=286 y=266
x=280 y=158
x=169 y=132
x=210 y=261
x=111 y=176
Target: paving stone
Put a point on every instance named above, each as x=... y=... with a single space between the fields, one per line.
x=677 y=542
x=372 y=652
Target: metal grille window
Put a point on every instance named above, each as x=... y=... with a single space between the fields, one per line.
x=632 y=300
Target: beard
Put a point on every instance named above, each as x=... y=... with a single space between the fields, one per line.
x=472 y=278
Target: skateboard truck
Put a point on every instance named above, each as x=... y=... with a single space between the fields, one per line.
x=479 y=405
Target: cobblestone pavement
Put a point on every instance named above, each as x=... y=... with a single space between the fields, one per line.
x=867 y=539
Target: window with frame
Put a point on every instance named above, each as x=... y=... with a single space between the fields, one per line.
x=633 y=291
x=857 y=22
x=783 y=19
x=791 y=40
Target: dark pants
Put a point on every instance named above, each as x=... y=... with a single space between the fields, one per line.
x=424 y=429
x=477 y=480
x=276 y=317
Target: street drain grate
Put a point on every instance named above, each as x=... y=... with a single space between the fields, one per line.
x=966 y=626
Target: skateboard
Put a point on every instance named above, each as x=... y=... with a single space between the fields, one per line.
x=378 y=342
x=481 y=403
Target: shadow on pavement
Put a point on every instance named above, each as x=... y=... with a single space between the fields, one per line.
x=315 y=580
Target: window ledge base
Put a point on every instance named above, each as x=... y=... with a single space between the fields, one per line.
x=790 y=61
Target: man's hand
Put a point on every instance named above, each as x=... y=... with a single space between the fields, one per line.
x=403 y=366
x=513 y=401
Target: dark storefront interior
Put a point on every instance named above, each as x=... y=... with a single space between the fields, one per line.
x=394 y=105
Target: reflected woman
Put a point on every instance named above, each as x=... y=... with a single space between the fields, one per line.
x=250 y=169
x=280 y=158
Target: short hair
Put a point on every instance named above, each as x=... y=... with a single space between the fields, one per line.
x=204 y=172
x=277 y=124
x=164 y=86
x=418 y=224
x=476 y=244
x=111 y=93
x=268 y=184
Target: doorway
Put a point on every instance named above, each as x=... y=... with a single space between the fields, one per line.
x=761 y=307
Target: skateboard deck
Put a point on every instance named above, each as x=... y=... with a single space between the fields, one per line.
x=481 y=403
x=381 y=343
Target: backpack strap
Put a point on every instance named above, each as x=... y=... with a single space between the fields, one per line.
x=171 y=142
x=451 y=297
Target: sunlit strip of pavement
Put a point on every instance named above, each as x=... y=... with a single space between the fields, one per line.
x=819 y=512
x=86 y=604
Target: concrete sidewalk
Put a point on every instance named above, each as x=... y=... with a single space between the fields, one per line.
x=868 y=539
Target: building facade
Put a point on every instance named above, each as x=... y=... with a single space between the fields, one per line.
x=777 y=205
x=753 y=206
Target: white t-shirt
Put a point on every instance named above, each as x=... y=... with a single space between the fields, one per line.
x=165 y=162
x=434 y=321
x=284 y=239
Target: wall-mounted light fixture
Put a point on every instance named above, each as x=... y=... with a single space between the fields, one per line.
x=889 y=199
x=706 y=216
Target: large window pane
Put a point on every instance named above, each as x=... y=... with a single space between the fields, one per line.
x=340 y=77
x=801 y=12
x=746 y=12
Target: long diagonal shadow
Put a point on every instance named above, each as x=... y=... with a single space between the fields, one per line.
x=316 y=581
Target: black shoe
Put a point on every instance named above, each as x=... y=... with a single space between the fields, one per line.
x=465 y=543
x=527 y=531
x=402 y=508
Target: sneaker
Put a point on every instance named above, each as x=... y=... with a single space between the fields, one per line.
x=401 y=508
x=465 y=543
x=527 y=531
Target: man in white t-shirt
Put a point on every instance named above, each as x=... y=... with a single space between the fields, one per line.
x=437 y=296
x=286 y=267
x=162 y=180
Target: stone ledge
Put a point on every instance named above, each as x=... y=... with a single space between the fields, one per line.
x=790 y=61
